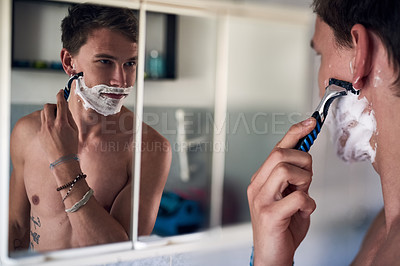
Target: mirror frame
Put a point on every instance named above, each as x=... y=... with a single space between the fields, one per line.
x=5 y=100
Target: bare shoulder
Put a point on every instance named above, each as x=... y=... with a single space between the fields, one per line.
x=30 y=123
x=380 y=245
x=376 y=229
x=155 y=146
x=24 y=130
x=372 y=241
x=388 y=253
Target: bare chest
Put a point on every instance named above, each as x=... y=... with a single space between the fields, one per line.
x=108 y=171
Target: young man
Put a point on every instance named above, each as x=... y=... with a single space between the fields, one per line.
x=358 y=41
x=71 y=180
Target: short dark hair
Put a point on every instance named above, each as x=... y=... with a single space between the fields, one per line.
x=82 y=19
x=380 y=16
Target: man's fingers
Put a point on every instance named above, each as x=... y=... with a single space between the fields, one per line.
x=71 y=120
x=278 y=155
x=48 y=114
x=61 y=106
x=296 y=132
x=284 y=152
x=298 y=201
x=285 y=174
x=285 y=178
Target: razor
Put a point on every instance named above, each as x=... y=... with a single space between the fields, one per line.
x=67 y=88
x=335 y=89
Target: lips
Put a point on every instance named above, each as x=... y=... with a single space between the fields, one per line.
x=114 y=96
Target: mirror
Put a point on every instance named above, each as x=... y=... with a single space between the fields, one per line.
x=179 y=102
x=105 y=150
x=181 y=109
x=179 y=105
x=268 y=92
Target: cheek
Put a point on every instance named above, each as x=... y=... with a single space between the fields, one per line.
x=333 y=67
x=96 y=76
x=131 y=79
x=323 y=78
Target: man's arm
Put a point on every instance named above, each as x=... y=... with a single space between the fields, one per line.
x=155 y=167
x=19 y=206
x=280 y=206
x=91 y=224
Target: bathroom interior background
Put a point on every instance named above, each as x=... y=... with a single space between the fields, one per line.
x=271 y=85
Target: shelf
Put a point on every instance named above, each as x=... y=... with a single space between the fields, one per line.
x=36 y=42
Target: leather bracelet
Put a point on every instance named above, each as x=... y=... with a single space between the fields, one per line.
x=82 y=202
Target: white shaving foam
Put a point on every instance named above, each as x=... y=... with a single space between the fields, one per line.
x=377 y=79
x=351 y=67
x=352 y=123
x=93 y=98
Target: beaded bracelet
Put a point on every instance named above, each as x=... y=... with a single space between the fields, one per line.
x=63 y=160
x=82 y=202
x=79 y=177
x=72 y=185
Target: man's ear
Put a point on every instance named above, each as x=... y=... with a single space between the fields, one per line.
x=66 y=60
x=362 y=61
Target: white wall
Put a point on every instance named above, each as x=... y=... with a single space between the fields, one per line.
x=267 y=65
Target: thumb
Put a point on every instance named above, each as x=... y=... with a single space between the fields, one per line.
x=71 y=120
x=296 y=132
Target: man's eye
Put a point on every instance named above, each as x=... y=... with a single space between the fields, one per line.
x=132 y=63
x=104 y=61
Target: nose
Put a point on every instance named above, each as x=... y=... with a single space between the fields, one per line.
x=118 y=77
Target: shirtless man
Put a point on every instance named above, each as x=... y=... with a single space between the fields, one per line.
x=101 y=43
x=358 y=41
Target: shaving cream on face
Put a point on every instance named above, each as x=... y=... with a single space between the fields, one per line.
x=95 y=98
x=351 y=124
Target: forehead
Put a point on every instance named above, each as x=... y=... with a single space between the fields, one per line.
x=106 y=40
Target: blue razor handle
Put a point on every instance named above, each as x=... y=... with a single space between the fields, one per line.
x=335 y=89
x=305 y=143
x=67 y=88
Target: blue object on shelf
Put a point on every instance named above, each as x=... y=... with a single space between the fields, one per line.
x=177 y=215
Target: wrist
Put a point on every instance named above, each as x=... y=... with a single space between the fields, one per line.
x=66 y=172
x=264 y=258
x=63 y=159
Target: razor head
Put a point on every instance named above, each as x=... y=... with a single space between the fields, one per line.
x=335 y=89
x=67 y=89
x=344 y=84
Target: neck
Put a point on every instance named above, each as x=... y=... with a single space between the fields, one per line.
x=388 y=152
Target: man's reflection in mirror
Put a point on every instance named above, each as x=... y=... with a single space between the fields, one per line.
x=71 y=179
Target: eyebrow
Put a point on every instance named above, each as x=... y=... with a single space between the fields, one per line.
x=107 y=56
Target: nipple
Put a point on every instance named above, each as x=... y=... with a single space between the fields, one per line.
x=35 y=199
